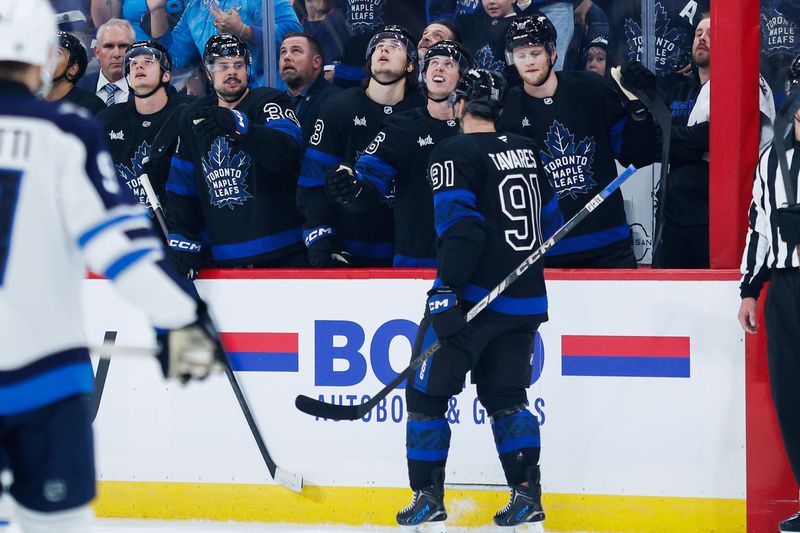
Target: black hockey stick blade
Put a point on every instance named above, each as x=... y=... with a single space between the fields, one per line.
x=321 y=409
x=784 y=118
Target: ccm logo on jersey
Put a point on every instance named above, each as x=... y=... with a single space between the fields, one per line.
x=185 y=246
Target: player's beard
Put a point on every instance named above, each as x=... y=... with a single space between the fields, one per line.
x=702 y=58
x=231 y=94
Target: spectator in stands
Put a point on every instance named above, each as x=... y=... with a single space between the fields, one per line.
x=112 y=41
x=438 y=30
x=243 y=18
x=484 y=35
x=450 y=9
x=590 y=22
x=301 y=70
x=149 y=18
x=71 y=66
x=327 y=24
x=595 y=55
x=682 y=232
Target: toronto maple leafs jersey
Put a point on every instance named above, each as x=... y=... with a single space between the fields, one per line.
x=484 y=39
x=235 y=200
x=579 y=132
x=780 y=43
x=492 y=209
x=348 y=123
x=130 y=136
x=674 y=32
x=396 y=165
x=62 y=211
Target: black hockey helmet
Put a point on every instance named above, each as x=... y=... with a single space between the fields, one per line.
x=148 y=48
x=484 y=90
x=226 y=45
x=450 y=49
x=77 y=54
x=793 y=75
x=530 y=30
x=397 y=32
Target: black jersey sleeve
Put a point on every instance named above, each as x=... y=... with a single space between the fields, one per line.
x=377 y=168
x=325 y=151
x=633 y=139
x=274 y=125
x=460 y=227
x=187 y=242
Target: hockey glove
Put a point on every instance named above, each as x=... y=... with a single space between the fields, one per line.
x=342 y=185
x=788 y=221
x=187 y=264
x=634 y=77
x=216 y=121
x=190 y=352
x=324 y=252
x=445 y=313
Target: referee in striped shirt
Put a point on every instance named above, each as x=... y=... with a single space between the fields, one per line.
x=771 y=254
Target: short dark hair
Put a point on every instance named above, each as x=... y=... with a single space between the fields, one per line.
x=313 y=42
x=447 y=23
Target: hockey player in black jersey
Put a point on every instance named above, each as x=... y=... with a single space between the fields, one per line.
x=580 y=123
x=347 y=124
x=71 y=66
x=492 y=208
x=393 y=168
x=152 y=112
x=232 y=182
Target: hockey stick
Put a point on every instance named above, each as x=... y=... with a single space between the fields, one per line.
x=322 y=409
x=663 y=117
x=780 y=131
x=287 y=479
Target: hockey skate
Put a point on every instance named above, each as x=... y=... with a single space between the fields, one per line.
x=791 y=524
x=426 y=513
x=523 y=513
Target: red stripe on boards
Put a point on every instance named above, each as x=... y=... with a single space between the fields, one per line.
x=628 y=346
x=260 y=342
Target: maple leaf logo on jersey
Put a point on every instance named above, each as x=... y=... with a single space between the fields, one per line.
x=569 y=166
x=129 y=175
x=364 y=15
x=484 y=58
x=778 y=33
x=465 y=7
x=670 y=42
x=226 y=176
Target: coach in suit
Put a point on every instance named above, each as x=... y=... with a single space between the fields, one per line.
x=113 y=39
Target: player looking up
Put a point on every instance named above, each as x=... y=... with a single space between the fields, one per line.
x=393 y=168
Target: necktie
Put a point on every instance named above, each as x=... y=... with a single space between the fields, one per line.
x=111 y=90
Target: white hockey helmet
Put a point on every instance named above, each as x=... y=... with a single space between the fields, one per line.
x=28 y=34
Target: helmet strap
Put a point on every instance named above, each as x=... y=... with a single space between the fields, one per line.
x=161 y=84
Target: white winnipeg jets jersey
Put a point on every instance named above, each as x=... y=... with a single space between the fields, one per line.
x=62 y=211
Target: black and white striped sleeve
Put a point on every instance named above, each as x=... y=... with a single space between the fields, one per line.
x=755 y=259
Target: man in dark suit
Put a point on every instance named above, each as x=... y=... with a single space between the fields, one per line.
x=301 y=64
x=113 y=39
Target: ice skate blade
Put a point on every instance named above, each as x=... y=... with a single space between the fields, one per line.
x=527 y=527
x=426 y=527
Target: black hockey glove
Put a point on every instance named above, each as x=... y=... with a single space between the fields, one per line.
x=638 y=79
x=445 y=313
x=216 y=121
x=187 y=264
x=190 y=352
x=788 y=221
x=325 y=252
x=342 y=186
